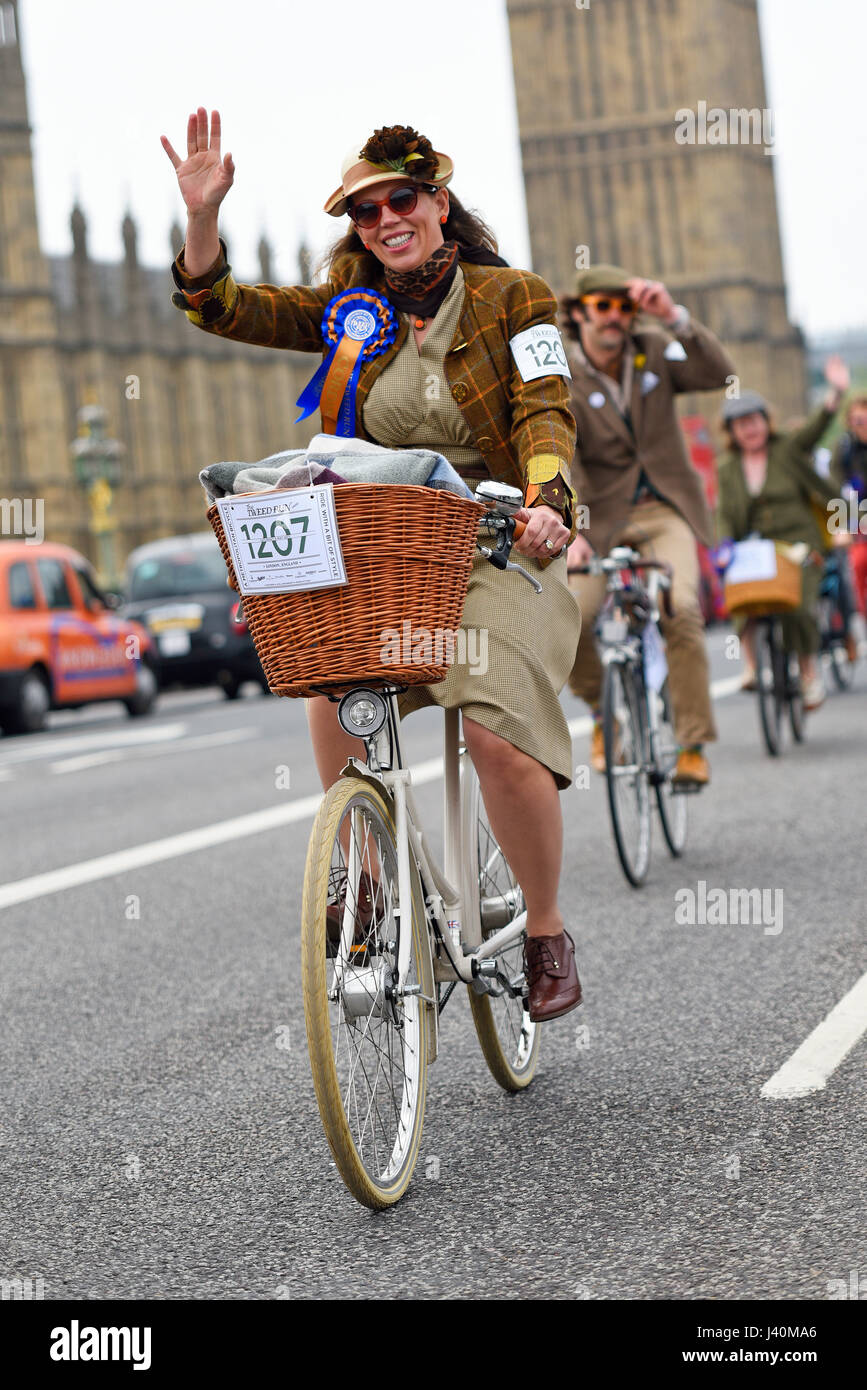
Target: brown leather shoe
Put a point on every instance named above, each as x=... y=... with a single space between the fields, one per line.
x=597 y=749
x=693 y=769
x=367 y=891
x=549 y=965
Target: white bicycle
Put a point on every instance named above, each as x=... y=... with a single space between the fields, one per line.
x=387 y=935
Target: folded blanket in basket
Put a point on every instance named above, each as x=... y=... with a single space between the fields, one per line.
x=347 y=460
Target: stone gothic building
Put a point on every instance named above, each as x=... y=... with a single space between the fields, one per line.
x=613 y=163
x=75 y=331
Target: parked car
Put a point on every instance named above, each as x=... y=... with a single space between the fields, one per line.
x=177 y=588
x=61 y=645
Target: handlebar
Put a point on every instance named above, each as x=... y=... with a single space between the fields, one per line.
x=625 y=559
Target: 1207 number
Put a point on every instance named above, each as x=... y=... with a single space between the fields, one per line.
x=258 y=535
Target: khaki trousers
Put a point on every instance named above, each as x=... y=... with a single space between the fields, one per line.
x=657 y=532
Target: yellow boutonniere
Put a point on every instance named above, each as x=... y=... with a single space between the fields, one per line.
x=640 y=359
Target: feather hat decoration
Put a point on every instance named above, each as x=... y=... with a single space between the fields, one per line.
x=395 y=151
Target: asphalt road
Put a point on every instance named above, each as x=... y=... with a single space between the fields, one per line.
x=158 y=1127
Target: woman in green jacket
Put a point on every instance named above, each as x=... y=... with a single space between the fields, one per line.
x=766 y=483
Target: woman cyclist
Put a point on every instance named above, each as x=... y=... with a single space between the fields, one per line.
x=766 y=482
x=462 y=312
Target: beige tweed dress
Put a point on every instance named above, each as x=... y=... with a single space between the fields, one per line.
x=531 y=639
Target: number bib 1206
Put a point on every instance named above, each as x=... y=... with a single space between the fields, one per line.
x=284 y=540
x=539 y=351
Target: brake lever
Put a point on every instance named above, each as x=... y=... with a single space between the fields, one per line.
x=504 y=527
x=501 y=563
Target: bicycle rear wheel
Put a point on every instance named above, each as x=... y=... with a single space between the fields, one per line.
x=368 y=1048
x=769 y=684
x=626 y=770
x=672 y=804
x=508 y=1039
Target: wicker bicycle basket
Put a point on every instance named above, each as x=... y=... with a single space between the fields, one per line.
x=408 y=553
x=756 y=598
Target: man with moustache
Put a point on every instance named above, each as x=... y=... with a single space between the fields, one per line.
x=632 y=471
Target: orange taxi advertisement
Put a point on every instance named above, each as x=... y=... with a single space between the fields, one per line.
x=61 y=645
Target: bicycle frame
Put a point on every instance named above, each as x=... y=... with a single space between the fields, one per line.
x=445 y=893
x=631 y=651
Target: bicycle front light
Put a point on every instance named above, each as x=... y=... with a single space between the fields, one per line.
x=361 y=713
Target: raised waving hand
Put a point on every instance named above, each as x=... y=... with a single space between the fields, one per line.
x=205 y=176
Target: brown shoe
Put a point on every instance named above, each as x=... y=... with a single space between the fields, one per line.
x=367 y=891
x=693 y=769
x=549 y=965
x=597 y=749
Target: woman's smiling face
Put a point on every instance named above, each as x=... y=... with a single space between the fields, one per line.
x=403 y=241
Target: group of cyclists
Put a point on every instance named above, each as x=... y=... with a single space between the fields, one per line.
x=574 y=403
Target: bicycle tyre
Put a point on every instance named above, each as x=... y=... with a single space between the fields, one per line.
x=508 y=1039
x=623 y=733
x=842 y=667
x=767 y=686
x=672 y=805
x=375 y=1153
x=794 y=696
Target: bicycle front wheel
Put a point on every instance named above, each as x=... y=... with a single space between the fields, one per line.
x=626 y=771
x=672 y=804
x=509 y=1041
x=769 y=684
x=368 y=1046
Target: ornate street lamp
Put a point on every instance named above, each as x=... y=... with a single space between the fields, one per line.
x=97 y=462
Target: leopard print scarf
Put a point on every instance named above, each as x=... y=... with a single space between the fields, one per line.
x=422 y=290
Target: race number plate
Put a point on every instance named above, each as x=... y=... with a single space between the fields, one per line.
x=284 y=540
x=655 y=663
x=539 y=351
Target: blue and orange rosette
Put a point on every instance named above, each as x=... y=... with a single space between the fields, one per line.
x=359 y=324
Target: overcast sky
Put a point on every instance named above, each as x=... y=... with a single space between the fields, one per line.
x=298 y=83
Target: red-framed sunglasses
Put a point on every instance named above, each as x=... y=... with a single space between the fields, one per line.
x=401 y=201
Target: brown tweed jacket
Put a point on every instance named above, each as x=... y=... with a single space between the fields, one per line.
x=612 y=451
x=525 y=430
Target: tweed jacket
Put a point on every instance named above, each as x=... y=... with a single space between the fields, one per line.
x=786 y=508
x=613 y=451
x=524 y=429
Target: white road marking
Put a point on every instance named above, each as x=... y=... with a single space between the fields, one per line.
x=109 y=755
x=173 y=846
x=180 y=745
x=36 y=747
x=808 y=1068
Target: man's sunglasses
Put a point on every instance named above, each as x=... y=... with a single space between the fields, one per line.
x=603 y=302
x=402 y=201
